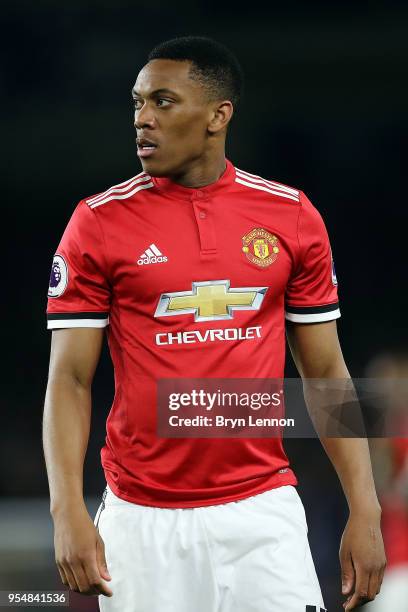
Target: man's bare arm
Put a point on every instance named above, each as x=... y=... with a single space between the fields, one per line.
x=67 y=415
x=317 y=353
x=67 y=412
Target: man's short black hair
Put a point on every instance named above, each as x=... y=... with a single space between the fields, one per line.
x=213 y=65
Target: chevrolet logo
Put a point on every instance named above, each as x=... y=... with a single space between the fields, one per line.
x=210 y=300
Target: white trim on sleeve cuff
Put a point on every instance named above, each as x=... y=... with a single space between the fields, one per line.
x=316 y=317
x=70 y=323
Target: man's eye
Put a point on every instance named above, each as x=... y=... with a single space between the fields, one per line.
x=138 y=104
x=163 y=102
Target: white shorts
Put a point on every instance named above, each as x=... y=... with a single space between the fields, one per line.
x=394 y=591
x=251 y=555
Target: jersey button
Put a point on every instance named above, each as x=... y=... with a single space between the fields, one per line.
x=202 y=215
x=199 y=195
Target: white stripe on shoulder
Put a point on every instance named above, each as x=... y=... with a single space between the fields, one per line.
x=124 y=196
x=120 y=187
x=258 y=179
x=282 y=194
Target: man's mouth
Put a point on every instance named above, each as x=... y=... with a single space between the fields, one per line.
x=145 y=148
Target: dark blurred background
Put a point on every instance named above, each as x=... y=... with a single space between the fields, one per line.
x=325 y=110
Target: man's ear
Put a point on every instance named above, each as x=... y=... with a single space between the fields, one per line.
x=220 y=116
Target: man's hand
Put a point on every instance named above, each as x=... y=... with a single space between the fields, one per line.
x=80 y=553
x=362 y=559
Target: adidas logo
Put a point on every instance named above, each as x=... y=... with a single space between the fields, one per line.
x=151 y=255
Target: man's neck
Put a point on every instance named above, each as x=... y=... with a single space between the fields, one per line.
x=202 y=172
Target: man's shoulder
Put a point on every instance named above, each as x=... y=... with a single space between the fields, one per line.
x=250 y=181
x=120 y=191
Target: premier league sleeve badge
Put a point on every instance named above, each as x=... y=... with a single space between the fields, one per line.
x=58 y=277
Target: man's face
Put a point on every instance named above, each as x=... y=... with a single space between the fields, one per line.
x=171 y=115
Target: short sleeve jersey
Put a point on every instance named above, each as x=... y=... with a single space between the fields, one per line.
x=191 y=283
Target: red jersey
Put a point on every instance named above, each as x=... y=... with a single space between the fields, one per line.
x=394 y=504
x=191 y=283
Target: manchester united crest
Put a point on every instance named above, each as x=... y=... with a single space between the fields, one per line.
x=260 y=247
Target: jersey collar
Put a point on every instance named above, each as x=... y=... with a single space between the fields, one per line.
x=188 y=193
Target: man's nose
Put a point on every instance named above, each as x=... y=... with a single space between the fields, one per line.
x=144 y=117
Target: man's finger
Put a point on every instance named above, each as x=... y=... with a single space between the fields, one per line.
x=62 y=575
x=373 y=585
x=360 y=594
x=347 y=574
x=95 y=580
x=70 y=577
x=381 y=578
x=80 y=577
x=101 y=559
